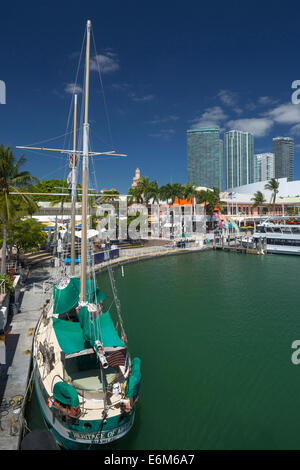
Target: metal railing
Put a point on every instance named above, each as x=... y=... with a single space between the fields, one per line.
x=2 y=287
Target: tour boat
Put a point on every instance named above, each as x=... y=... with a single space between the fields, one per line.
x=279 y=235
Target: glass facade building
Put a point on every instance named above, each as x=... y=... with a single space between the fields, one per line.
x=264 y=167
x=205 y=157
x=239 y=158
x=283 y=149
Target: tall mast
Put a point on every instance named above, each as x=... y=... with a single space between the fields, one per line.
x=85 y=169
x=74 y=163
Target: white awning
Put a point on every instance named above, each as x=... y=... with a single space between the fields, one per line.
x=90 y=233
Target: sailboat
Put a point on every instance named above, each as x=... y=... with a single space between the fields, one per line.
x=86 y=382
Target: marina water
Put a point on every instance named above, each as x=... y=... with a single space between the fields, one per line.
x=214 y=331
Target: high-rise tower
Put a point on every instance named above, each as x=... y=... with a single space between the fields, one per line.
x=204 y=155
x=239 y=158
x=264 y=167
x=283 y=149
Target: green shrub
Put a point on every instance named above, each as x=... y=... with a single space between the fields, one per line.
x=8 y=283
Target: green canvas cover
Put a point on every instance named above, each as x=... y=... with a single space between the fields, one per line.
x=76 y=336
x=67 y=298
x=69 y=336
x=102 y=328
x=66 y=394
x=134 y=381
x=83 y=316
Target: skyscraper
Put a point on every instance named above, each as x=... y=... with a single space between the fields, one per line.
x=283 y=149
x=239 y=158
x=205 y=155
x=264 y=167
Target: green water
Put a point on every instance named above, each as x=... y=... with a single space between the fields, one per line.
x=214 y=332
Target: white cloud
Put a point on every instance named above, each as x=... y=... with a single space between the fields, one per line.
x=295 y=129
x=107 y=62
x=164 y=134
x=121 y=86
x=285 y=114
x=212 y=117
x=259 y=127
x=141 y=98
x=228 y=97
x=158 y=120
x=73 y=88
x=265 y=100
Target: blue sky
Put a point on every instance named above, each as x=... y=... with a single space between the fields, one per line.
x=166 y=67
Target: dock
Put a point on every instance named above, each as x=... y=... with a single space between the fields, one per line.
x=15 y=373
x=235 y=245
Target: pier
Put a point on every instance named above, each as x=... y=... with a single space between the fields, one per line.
x=15 y=373
x=238 y=244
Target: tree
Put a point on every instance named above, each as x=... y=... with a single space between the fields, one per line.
x=273 y=185
x=211 y=199
x=136 y=194
x=189 y=191
x=165 y=192
x=11 y=180
x=258 y=199
x=152 y=192
x=29 y=235
x=172 y=191
x=49 y=186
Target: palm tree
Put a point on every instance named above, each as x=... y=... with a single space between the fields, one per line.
x=11 y=179
x=189 y=191
x=273 y=186
x=211 y=199
x=177 y=191
x=258 y=199
x=165 y=192
x=138 y=192
x=152 y=192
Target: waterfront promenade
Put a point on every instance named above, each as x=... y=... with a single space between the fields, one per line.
x=15 y=373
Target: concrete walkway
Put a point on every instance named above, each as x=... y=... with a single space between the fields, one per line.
x=15 y=374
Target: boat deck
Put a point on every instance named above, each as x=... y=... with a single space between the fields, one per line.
x=87 y=382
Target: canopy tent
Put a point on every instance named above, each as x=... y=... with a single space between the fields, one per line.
x=67 y=298
x=74 y=337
